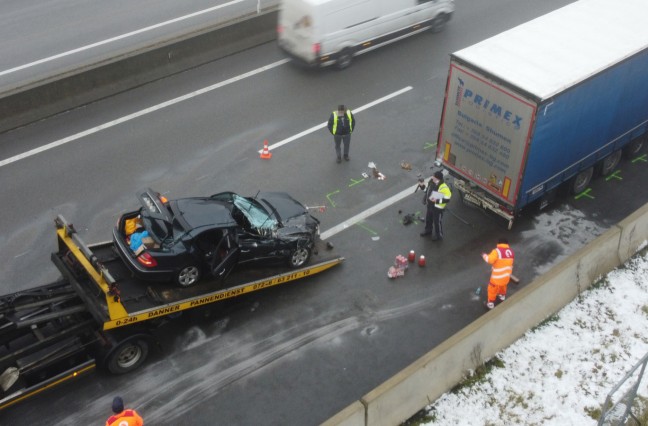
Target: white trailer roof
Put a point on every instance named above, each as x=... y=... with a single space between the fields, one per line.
x=557 y=50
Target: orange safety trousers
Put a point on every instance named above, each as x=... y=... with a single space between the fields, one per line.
x=502 y=259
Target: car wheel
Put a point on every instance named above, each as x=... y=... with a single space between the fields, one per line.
x=438 y=23
x=609 y=163
x=299 y=257
x=127 y=356
x=187 y=276
x=581 y=180
x=345 y=58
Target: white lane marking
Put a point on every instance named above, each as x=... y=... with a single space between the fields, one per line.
x=139 y=113
x=365 y=214
x=119 y=37
x=322 y=125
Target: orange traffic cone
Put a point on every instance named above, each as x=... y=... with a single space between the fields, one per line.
x=265 y=153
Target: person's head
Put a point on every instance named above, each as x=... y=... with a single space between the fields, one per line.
x=437 y=177
x=502 y=241
x=117 y=405
x=341 y=109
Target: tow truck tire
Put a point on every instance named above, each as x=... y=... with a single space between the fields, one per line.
x=299 y=257
x=127 y=355
x=187 y=276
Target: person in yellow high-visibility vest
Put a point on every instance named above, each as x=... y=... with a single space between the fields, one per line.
x=436 y=199
x=341 y=124
x=501 y=258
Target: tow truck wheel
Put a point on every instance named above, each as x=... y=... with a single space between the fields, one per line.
x=187 y=276
x=127 y=355
x=299 y=257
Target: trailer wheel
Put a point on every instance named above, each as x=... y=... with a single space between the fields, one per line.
x=609 y=163
x=127 y=355
x=634 y=147
x=345 y=58
x=581 y=180
x=299 y=257
x=439 y=23
x=187 y=276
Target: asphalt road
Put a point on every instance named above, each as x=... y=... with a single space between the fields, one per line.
x=298 y=353
x=39 y=39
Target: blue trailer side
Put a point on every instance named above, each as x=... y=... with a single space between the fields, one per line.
x=583 y=125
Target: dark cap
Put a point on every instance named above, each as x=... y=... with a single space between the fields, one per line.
x=117 y=405
x=438 y=175
x=341 y=107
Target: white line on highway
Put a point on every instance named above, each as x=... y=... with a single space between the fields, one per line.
x=322 y=125
x=365 y=214
x=119 y=37
x=139 y=113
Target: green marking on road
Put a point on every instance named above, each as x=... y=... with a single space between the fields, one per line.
x=366 y=228
x=643 y=158
x=429 y=145
x=328 y=197
x=585 y=193
x=355 y=182
x=615 y=175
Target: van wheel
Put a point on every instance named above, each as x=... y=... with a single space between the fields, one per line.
x=581 y=180
x=187 y=276
x=438 y=23
x=345 y=58
x=634 y=147
x=609 y=163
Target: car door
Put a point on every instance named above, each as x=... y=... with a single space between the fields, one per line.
x=226 y=254
x=255 y=247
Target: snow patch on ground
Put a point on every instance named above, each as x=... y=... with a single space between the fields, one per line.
x=560 y=372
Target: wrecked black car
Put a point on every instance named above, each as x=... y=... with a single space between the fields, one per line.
x=185 y=239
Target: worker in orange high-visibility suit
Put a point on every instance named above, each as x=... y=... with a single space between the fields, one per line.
x=123 y=417
x=502 y=259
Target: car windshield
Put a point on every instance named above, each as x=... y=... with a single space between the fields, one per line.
x=256 y=214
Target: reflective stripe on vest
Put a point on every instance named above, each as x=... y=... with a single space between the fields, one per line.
x=445 y=190
x=335 y=121
x=503 y=267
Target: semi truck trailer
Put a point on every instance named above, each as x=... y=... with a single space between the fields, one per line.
x=546 y=105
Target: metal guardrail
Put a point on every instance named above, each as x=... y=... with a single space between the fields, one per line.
x=618 y=413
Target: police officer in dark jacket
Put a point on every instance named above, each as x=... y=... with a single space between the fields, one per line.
x=341 y=124
x=437 y=196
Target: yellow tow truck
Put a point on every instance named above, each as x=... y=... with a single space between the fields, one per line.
x=98 y=315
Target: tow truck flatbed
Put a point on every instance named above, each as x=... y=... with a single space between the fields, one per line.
x=99 y=315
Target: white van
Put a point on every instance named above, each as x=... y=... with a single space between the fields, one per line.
x=326 y=32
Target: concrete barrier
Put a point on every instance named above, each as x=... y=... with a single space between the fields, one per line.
x=90 y=82
x=438 y=371
x=353 y=415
